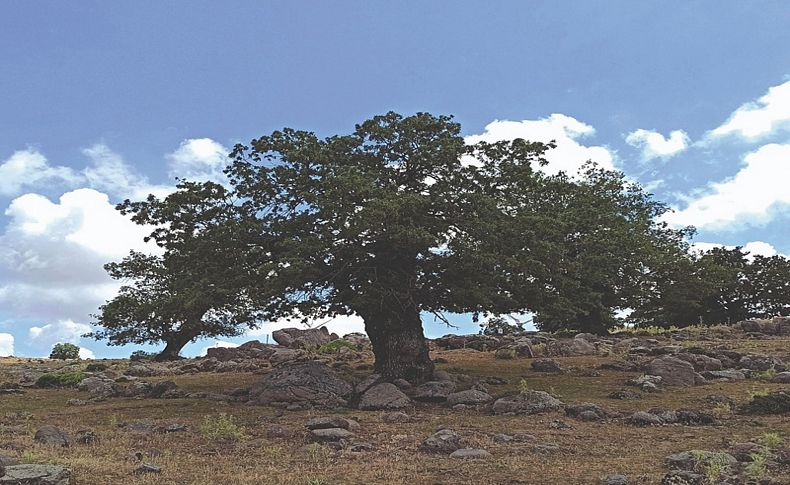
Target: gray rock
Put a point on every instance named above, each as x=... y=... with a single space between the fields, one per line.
x=434 y=391
x=281 y=356
x=6 y=460
x=625 y=394
x=443 y=441
x=529 y=402
x=673 y=371
x=52 y=436
x=327 y=422
x=395 y=417
x=36 y=475
x=616 y=480
x=761 y=362
x=729 y=374
x=87 y=437
x=546 y=365
x=695 y=459
x=303 y=338
x=469 y=397
x=470 y=454
x=586 y=412
x=642 y=418
x=384 y=396
x=161 y=388
x=700 y=362
x=146 y=468
x=311 y=383
x=331 y=434
x=782 y=378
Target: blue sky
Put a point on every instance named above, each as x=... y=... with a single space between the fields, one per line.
x=101 y=100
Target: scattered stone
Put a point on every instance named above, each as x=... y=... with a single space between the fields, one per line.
x=683 y=477
x=470 y=454
x=616 y=480
x=172 y=428
x=52 y=436
x=625 y=394
x=146 y=468
x=782 y=378
x=6 y=460
x=434 y=391
x=729 y=374
x=642 y=418
x=361 y=447
x=296 y=338
x=384 y=396
x=442 y=441
x=36 y=475
x=469 y=397
x=327 y=422
x=87 y=437
x=494 y=381
x=673 y=371
x=586 y=412
x=647 y=383
x=502 y=438
x=311 y=383
x=277 y=431
x=160 y=389
x=700 y=362
x=395 y=417
x=761 y=362
x=692 y=460
x=776 y=402
x=743 y=451
x=546 y=365
x=529 y=402
x=557 y=424
x=331 y=434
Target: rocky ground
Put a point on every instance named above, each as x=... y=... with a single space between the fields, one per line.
x=691 y=406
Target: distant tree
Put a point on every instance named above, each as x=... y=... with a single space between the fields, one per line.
x=65 y=351
x=193 y=290
x=769 y=286
x=403 y=217
x=728 y=296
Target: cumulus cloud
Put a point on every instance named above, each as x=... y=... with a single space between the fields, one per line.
x=655 y=145
x=759 y=118
x=63 y=331
x=199 y=159
x=217 y=344
x=86 y=354
x=6 y=344
x=52 y=254
x=754 y=248
x=751 y=197
x=567 y=131
x=29 y=168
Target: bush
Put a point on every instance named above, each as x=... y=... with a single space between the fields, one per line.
x=334 y=346
x=60 y=379
x=777 y=402
x=141 y=355
x=65 y=351
x=222 y=426
x=95 y=367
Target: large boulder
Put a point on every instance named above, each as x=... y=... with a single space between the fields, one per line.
x=442 y=441
x=310 y=383
x=434 y=391
x=384 y=396
x=761 y=362
x=700 y=362
x=52 y=436
x=673 y=371
x=296 y=338
x=36 y=475
x=253 y=349
x=529 y=402
x=470 y=397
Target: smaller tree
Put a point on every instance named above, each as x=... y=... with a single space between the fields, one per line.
x=65 y=351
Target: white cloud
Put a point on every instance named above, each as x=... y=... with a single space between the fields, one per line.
x=199 y=159
x=340 y=325
x=6 y=344
x=29 y=168
x=754 y=248
x=86 y=354
x=52 y=254
x=750 y=197
x=759 y=118
x=655 y=145
x=109 y=173
x=567 y=131
x=62 y=331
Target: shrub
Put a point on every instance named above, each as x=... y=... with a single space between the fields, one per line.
x=60 y=379
x=95 y=367
x=141 y=355
x=334 y=346
x=222 y=426
x=65 y=351
x=756 y=469
x=523 y=386
x=777 y=402
x=771 y=440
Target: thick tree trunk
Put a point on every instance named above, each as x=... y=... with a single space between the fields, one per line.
x=399 y=345
x=173 y=348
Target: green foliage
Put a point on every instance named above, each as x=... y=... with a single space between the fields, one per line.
x=771 y=440
x=757 y=469
x=60 y=379
x=222 y=427
x=502 y=326
x=95 y=367
x=767 y=374
x=65 y=351
x=523 y=386
x=334 y=346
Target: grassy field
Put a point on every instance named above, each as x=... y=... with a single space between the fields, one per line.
x=587 y=453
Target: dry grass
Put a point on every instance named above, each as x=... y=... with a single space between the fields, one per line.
x=589 y=451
